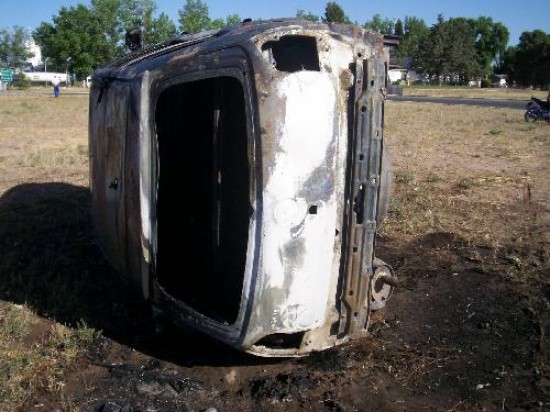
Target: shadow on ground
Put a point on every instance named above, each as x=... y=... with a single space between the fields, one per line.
x=456 y=335
x=51 y=263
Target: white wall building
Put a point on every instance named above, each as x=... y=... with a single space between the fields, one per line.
x=36 y=59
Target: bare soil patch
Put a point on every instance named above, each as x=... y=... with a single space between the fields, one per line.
x=468 y=234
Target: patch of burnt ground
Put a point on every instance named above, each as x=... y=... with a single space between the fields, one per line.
x=463 y=332
x=454 y=337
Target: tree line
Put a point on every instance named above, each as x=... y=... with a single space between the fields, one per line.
x=460 y=49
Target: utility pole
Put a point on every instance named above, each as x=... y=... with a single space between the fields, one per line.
x=67 y=72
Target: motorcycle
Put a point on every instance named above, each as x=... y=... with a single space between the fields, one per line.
x=534 y=102
x=537 y=109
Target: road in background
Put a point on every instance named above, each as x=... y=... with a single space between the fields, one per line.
x=513 y=104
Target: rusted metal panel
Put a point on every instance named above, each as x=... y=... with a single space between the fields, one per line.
x=107 y=155
x=249 y=171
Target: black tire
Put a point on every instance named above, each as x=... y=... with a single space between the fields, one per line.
x=531 y=117
x=386 y=186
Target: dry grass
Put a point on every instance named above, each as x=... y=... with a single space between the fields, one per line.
x=479 y=173
x=43 y=139
x=478 y=179
x=36 y=355
x=475 y=93
x=457 y=165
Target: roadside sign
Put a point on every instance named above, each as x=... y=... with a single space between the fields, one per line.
x=7 y=75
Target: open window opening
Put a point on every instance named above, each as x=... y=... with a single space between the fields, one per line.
x=293 y=53
x=203 y=201
x=282 y=340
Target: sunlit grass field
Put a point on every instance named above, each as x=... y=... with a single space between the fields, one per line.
x=468 y=170
x=475 y=93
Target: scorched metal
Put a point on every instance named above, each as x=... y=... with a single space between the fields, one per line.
x=238 y=177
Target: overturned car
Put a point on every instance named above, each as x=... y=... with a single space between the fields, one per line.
x=238 y=178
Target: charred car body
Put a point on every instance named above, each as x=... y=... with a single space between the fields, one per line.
x=238 y=177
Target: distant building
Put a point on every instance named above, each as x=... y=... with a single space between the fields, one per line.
x=45 y=77
x=499 y=80
x=34 y=48
x=396 y=73
x=391 y=42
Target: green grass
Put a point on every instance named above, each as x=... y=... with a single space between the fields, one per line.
x=543 y=138
x=55 y=158
x=14 y=321
x=28 y=368
x=30 y=106
x=432 y=177
x=466 y=183
x=404 y=176
x=73 y=340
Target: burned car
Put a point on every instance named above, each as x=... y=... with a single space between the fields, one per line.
x=238 y=177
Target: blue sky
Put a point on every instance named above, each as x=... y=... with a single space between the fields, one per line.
x=516 y=15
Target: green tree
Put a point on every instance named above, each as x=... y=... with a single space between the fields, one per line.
x=160 y=29
x=107 y=14
x=76 y=38
x=529 y=63
x=233 y=19
x=508 y=64
x=461 y=51
x=335 y=14
x=13 y=50
x=132 y=12
x=229 y=21
x=306 y=15
x=431 y=58
x=380 y=25
x=139 y=14
x=116 y=17
x=415 y=32
x=491 y=40
x=399 y=28
x=93 y=36
x=193 y=17
x=448 y=52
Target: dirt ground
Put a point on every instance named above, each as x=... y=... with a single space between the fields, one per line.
x=468 y=234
